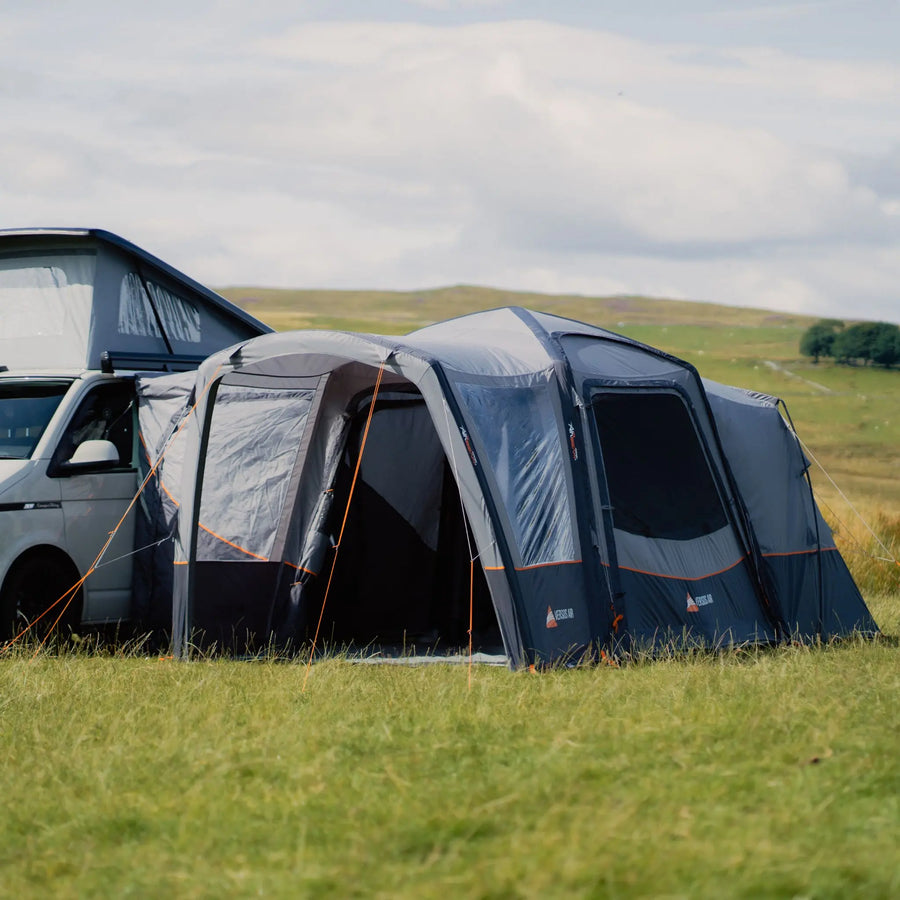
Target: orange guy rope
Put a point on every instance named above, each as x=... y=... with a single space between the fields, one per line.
x=337 y=546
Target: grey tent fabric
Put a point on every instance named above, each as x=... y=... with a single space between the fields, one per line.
x=568 y=489
x=163 y=404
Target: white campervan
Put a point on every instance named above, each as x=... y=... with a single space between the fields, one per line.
x=81 y=313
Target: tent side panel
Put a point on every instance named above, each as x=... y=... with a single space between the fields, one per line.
x=794 y=579
x=714 y=611
x=502 y=599
x=232 y=604
x=555 y=601
x=844 y=609
x=810 y=582
x=162 y=403
x=447 y=418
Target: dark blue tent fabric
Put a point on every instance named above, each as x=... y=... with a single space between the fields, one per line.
x=805 y=573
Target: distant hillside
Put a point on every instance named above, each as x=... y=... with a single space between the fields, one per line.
x=396 y=312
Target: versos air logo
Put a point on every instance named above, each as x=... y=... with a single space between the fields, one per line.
x=468 y=443
x=555 y=615
x=694 y=603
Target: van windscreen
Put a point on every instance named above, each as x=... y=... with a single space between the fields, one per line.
x=25 y=410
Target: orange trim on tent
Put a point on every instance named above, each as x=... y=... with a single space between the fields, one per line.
x=562 y=562
x=681 y=577
x=231 y=543
x=801 y=552
x=167 y=492
x=299 y=568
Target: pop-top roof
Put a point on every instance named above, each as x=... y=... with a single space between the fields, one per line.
x=87 y=298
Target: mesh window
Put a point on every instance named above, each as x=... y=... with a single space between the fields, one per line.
x=518 y=428
x=253 y=444
x=660 y=484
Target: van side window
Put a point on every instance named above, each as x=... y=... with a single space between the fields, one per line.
x=106 y=413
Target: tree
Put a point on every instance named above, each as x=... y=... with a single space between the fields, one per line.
x=885 y=344
x=866 y=342
x=854 y=343
x=818 y=340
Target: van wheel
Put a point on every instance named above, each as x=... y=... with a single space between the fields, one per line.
x=34 y=583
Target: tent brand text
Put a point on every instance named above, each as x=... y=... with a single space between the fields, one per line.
x=694 y=603
x=467 y=442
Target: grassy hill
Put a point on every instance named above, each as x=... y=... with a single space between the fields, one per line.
x=396 y=312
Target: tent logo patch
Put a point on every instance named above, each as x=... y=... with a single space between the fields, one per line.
x=555 y=615
x=468 y=443
x=572 y=442
x=694 y=603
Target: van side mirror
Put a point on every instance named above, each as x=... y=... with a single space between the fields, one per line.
x=91 y=456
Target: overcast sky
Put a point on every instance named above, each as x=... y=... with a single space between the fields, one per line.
x=739 y=152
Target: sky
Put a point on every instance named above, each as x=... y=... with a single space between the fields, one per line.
x=745 y=153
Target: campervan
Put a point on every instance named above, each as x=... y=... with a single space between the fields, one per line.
x=82 y=312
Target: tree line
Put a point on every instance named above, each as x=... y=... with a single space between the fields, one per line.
x=866 y=343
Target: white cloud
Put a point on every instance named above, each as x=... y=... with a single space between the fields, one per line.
x=459 y=4
x=268 y=150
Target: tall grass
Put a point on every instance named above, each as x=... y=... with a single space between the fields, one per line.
x=871 y=548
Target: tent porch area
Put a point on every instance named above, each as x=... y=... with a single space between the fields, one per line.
x=395 y=576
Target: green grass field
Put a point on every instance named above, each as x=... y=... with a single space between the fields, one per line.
x=751 y=773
